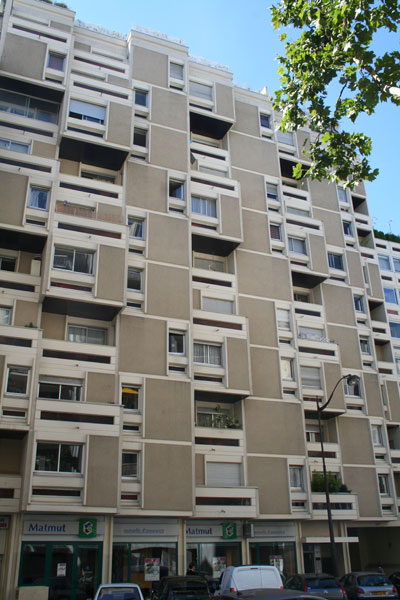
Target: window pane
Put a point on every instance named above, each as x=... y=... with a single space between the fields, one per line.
x=390 y=295
x=217 y=305
x=17 y=382
x=283 y=318
x=176 y=71
x=275 y=232
x=272 y=191
x=176 y=189
x=296 y=477
x=286 y=368
x=56 y=61
x=224 y=474
x=49 y=390
x=297 y=245
x=396 y=264
x=176 y=343
x=33 y=563
x=77 y=334
x=200 y=90
x=96 y=336
x=285 y=137
x=129 y=464
x=141 y=97
x=136 y=228
x=209 y=264
x=335 y=261
x=310 y=377
x=342 y=194
x=265 y=120
x=87 y=112
x=63 y=258
x=395 y=329
x=204 y=206
x=140 y=137
x=130 y=397
x=38 y=198
x=46 y=457
x=384 y=262
x=71 y=392
x=5 y=315
x=83 y=262
x=134 y=279
x=70 y=458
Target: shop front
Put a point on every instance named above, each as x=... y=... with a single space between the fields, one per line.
x=144 y=550
x=63 y=554
x=274 y=543
x=212 y=546
x=4 y=529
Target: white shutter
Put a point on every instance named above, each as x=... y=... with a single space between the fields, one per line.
x=89 y=110
x=224 y=474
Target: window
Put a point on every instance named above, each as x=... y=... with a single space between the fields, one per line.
x=285 y=137
x=335 y=261
x=383 y=484
x=275 y=231
x=218 y=305
x=18 y=381
x=141 y=97
x=56 y=61
x=296 y=478
x=395 y=329
x=176 y=342
x=130 y=397
x=390 y=295
x=130 y=465
x=359 y=303
x=364 y=345
x=136 y=228
x=98 y=176
x=224 y=474
x=7 y=263
x=60 y=389
x=140 y=137
x=352 y=389
x=265 y=120
x=301 y=297
x=342 y=194
x=69 y=259
x=87 y=335
x=25 y=106
x=38 y=198
x=16 y=146
x=311 y=333
x=209 y=264
x=283 y=318
x=310 y=377
x=384 y=262
x=210 y=354
x=5 y=315
x=176 y=71
x=297 y=245
x=204 y=206
x=287 y=368
x=397 y=361
x=58 y=458
x=134 y=279
x=312 y=433
x=272 y=191
x=87 y=112
x=297 y=211
x=377 y=438
x=396 y=264
x=176 y=189
x=200 y=90
x=347 y=230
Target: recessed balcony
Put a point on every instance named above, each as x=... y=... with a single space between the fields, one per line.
x=343 y=506
x=229 y=502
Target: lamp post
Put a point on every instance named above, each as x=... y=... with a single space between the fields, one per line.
x=351 y=380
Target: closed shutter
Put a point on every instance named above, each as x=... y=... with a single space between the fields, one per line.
x=224 y=474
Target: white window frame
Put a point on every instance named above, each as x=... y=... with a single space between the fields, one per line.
x=332 y=256
x=310 y=377
x=34 y=197
x=384 y=262
x=60 y=444
x=146 y=94
x=134 y=222
x=208 y=98
x=60 y=382
x=136 y=476
x=181 y=334
x=208 y=206
x=176 y=82
x=294 y=242
x=85 y=329
x=206 y=353
x=297 y=471
x=377 y=435
x=383 y=484
x=140 y=272
x=272 y=191
x=365 y=345
x=283 y=323
x=13 y=145
x=359 y=303
x=392 y=293
x=26 y=371
x=136 y=390
x=74 y=251
x=141 y=131
x=89 y=112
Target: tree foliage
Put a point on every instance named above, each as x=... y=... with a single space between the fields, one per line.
x=334 y=57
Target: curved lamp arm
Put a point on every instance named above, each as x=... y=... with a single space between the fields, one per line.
x=351 y=380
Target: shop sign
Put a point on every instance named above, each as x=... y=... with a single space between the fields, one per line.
x=229 y=531
x=135 y=529
x=152 y=569
x=275 y=531
x=226 y=531
x=87 y=528
x=4 y=521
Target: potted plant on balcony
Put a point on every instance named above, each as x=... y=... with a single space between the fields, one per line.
x=224 y=421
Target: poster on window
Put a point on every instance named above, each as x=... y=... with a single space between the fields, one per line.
x=219 y=565
x=276 y=561
x=61 y=569
x=152 y=569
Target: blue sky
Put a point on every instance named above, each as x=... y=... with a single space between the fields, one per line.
x=239 y=34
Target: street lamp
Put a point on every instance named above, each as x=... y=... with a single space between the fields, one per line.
x=350 y=380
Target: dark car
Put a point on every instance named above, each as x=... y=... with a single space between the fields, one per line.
x=317 y=584
x=366 y=584
x=188 y=587
x=268 y=594
x=395 y=579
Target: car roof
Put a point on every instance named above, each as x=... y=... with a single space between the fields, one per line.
x=315 y=575
x=121 y=585
x=273 y=594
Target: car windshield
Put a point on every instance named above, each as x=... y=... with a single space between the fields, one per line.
x=373 y=580
x=322 y=582
x=119 y=593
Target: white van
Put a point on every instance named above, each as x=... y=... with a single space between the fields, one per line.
x=249 y=577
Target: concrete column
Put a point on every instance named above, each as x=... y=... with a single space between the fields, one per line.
x=299 y=548
x=12 y=554
x=182 y=566
x=107 y=548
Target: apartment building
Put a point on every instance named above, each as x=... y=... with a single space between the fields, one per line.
x=173 y=307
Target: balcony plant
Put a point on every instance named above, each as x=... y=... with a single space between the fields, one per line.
x=335 y=484
x=223 y=421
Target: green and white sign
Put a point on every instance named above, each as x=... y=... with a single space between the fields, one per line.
x=87 y=528
x=229 y=531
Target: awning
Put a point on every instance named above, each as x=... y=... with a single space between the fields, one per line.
x=326 y=540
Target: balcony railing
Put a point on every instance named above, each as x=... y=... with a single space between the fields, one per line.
x=87 y=212
x=232 y=502
x=344 y=506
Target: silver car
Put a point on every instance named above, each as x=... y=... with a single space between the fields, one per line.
x=363 y=584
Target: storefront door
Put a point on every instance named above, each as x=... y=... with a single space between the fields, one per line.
x=71 y=570
x=212 y=558
x=279 y=554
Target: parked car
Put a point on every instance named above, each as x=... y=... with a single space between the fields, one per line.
x=189 y=587
x=395 y=579
x=318 y=584
x=249 y=577
x=269 y=594
x=119 y=591
x=364 y=584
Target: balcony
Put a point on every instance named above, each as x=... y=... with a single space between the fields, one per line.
x=331 y=450
x=227 y=502
x=61 y=352
x=203 y=318
x=90 y=417
x=344 y=506
x=10 y=493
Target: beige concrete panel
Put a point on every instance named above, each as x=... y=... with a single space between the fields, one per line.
x=165 y=488
x=332 y=225
x=69 y=167
x=103 y=474
x=139 y=337
x=26 y=313
x=168 y=291
x=375 y=281
x=373 y=395
x=100 y=388
x=60 y=26
x=224 y=100
x=23 y=56
x=339 y=304
x=11 y=452
x=150 y=66
x=303 y=139
x=43 y=149
x=363 y=482
x=119 y=126
x=230 y=217
x=323 y=194
x=255 y=232
x=196 y=299
x=168 y=149
x=146 y=187
x=319 y=260
x=111 y=276
x=360 y=189
x=247 y=119
x=36 y=592
x=25 y=262
x=264 y=368
x=274 y=427
x=271 y=478
x=169 y=109
x=252 y=188
x=354 y=269
x=200 y=470
x=265 y=276
x=110 y=213
x=394 y=400
x=168 y=410
x=168 y=239
x=254 y=155
x=120 y=81
x=355 y=441
x=261 y=316
x=81 y=46
x=13 y=197
x=349 y=345
x=53 y=326
x=317 y=528
x=238 y=364
x=333 y=373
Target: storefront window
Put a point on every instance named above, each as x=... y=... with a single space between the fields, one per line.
x=212 y=558
x=279 y=554
x=33 y=564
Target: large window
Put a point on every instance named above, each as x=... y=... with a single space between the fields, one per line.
x=390 y=295
x=210 y=354
x=87 y=112
x=395 y=329
x=6 y=144
x=204 y=206
x=224 y=474
x=54 y=388
x=297 y=245
x=218 y=305
x=200 y=90
x=58 y=458
x=311 y=377
x=384 y=262
x=134 y=279
x=130 y=465
x=87 y=335
x=70 y=259
x=18 y=381
x=335 y=261
x=38 y=197
x=26 y=106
